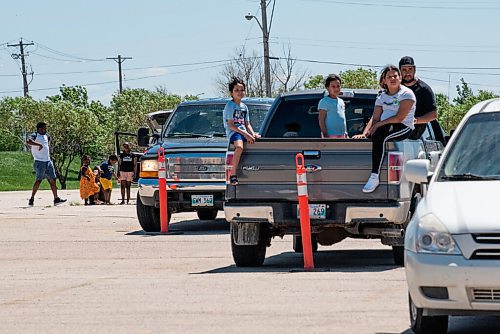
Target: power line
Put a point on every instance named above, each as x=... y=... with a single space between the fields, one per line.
x=392 y=5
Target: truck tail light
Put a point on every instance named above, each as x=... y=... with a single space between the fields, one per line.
x=229 y=165
x=395 y=167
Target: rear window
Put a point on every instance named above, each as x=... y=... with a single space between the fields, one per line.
x=301 y=116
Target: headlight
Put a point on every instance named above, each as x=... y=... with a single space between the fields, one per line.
x=433 y=237
x=149 y=169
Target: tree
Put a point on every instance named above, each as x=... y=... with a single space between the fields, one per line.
x=11 y=130
x=315 y=82
x=450 y=115
x=249 y=68
x=356 y=79
x=359 y=78
x=284 y=74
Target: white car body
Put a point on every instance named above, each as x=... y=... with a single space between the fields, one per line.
x=452 y=243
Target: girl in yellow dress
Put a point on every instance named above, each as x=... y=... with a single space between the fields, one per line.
x=89 y=189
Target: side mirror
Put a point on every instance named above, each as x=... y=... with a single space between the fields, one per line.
x=143 y=137
x=417 y=171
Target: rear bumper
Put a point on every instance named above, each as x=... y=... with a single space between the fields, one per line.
x=179 y=194
x=337 y=213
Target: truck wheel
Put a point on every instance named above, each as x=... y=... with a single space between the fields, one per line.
x=149 y=216
x=421 y=324
x=148 y=219
x=297 y=243
x=249 y=255
x=398 y=254
x=207 y=214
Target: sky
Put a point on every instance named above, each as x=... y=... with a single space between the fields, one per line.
x=182 y=46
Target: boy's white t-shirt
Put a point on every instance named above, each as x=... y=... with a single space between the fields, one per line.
x=390 y=105
x=43 y=154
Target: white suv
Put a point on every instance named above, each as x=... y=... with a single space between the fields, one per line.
x=452 y=243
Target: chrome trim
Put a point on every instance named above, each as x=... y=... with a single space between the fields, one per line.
x=237 y=214
x=394 y=214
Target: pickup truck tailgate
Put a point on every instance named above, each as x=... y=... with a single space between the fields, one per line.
x=337 y=170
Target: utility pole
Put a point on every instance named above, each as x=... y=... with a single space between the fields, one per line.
x=120 y=60
x=21 y=55
x=265 y=41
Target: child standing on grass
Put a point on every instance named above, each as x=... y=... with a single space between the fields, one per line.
x=332 y=110
x=237 y=124
x=89 y=190
x=108 y=173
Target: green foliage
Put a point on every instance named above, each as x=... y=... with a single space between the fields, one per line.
x=129 y=109
x=315 y=82
x=450 y=114
x=359 y=78
x=355 y=79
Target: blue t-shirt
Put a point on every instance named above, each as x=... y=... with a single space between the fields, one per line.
x=107 y=170
x=335 y=115
x=239 y=115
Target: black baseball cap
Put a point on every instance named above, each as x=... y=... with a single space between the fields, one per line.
x=406 y=61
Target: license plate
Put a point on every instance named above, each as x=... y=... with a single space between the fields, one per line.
x=202 y=200
x=316 y=211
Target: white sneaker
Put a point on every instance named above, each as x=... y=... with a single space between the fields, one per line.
x=371 y=184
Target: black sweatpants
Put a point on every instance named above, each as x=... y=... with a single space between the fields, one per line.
x=394 y=132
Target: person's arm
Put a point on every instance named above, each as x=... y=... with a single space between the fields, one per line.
x=377 y=113
x=134 y=161
x=234 y=128
x=429 y=101
x=322 y=122
x=32 y=142
x=250 y=130
x=403 y=111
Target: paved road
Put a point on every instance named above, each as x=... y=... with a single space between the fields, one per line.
x=79 y=269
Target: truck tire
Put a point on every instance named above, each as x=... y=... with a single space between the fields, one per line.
x=149 y=216
x=207 y=214
x=250 y=255
x=398 y=252
x=422 y=324
x=297 y=244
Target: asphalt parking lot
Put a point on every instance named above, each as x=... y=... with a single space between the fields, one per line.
x=80 y=269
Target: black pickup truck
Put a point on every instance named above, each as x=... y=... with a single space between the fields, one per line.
x=264 y=204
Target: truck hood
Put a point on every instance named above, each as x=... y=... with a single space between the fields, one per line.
x=217 y=144
x=465 y=206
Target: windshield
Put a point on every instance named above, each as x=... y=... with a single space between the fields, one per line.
x=301 y=117
x=206 y=120
x=475 y=154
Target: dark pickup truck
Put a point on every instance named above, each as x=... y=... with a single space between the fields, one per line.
x=264 y=204
x=195 y=146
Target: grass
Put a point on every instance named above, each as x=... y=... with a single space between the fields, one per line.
x=16 y=173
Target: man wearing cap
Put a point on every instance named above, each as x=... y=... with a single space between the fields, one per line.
x=426 y=108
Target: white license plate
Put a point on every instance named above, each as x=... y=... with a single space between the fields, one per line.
x=316 y=211
x=202 y=200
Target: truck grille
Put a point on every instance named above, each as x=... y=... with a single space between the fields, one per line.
x=486 y=295
x=196 y=169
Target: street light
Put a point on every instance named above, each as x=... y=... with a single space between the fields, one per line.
x=265 y=41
